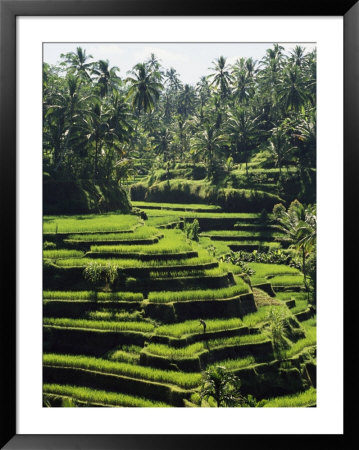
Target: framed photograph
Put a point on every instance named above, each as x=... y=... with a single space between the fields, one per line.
x=163 y=171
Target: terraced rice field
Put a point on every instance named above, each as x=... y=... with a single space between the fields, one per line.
x=138 y=340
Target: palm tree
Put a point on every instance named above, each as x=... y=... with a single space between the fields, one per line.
x=209 y=142
x=297 y=56
x=78 y=63
x=299 y=227
x=242 y=129
x=107 y=79
x=279 y=147
x=144 y=88
x=162 y=142
x=186 y=101
x=221 y=385
x=221 y=76
x=292 y=92
x=172 y=79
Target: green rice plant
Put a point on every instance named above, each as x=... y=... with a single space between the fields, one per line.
x=239 y=363
x=309 y=340
x=204 y=294
x=297 y=296
x=124 y=316
x=237 y=340
x=301 y=399
x=240 y=233
x=261 y=316
x=183 y=380
x=203 y=215
x=141 y=233
x=93 y=295
x=193 y=350
x=95 y=268
x=271 y=270
x=261 y=245
x=162 y=220
x=216 y=248
x=275 y=274
x=189 y=327
x=88 y=395
x=126 y=357
x=229 y=267
x=288 y=280
x=175 y=353
x=143 y=327
x=174 y=241
x=177 y=206
x=301 y=305
x=193 y=273
x=89 y=223
x=59 y=254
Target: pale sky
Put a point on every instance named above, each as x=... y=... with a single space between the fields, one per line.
x=191 y=61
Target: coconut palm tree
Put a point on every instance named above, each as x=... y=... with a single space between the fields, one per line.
x=144 y=88
x=292 y=93
x=221 y=385
x=107 y=78
x=279 y=147
x=221 y=77
x=242 y=128
x=208 y=143
x=77 y=62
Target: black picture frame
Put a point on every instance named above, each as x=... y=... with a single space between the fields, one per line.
x=9 y=10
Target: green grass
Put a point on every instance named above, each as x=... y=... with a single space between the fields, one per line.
x=240 y=233
x=162 y=220
x=85 y=394
x=219 y=247
x=308 y=341
x=126 y=357
x=297 y=296
x=89 y=223
x=189 y=327
x=193 y=350
x=141 y=233
x=174 y=241
x=136 y=263
x=124 y=316
x=233 y=364
x=58 y=254
x=183 y=206
x=193 y=273
x=302 y=399
x=183 y=380
x=202 y=294
x=92 y=295
x=301 y=305
x=203 y=215
x=277 y=274
x=237 y=340
x=175 y=353
x=143 y=327
x=260 y=316
x=259 y=244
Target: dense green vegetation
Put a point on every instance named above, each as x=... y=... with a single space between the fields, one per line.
x=180 y=233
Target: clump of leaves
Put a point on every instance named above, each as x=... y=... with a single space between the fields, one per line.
x=276 y=330
x=192 y=230
x=235 y=258
x=223 y=386
x=99 y=273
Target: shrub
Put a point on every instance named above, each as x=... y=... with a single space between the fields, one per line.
x=192 y=230
x=97 y=273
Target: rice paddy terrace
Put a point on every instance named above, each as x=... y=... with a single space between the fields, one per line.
x=122 y=303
